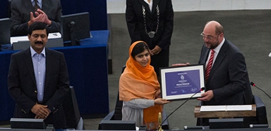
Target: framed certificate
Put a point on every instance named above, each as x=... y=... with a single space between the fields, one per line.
x=183 y=82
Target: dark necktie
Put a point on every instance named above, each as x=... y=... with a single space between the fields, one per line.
x=209 y=65
x=36 y=6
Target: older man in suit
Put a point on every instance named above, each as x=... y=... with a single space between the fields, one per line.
x=226 y=77
x=38 y=80
x=227 y=81
x=25 y=12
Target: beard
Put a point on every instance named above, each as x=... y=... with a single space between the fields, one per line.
x=213 y=45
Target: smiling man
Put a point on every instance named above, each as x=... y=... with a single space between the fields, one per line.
x=226 y=76
x=38 y=80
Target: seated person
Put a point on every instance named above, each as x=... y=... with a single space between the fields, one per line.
x=139 y=88
x=24 y=13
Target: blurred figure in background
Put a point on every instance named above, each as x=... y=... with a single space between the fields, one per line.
x=25 y=12
x=152 y=21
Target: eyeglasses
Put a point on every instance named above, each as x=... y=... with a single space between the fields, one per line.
x=209 y=37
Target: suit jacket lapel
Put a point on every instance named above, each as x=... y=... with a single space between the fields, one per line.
x=205 y=55
x=220 y=57
x=29 y=64
x=155 y=3
x=44 y=7
x=29 y=6
x=48 y=67
x=147 y=8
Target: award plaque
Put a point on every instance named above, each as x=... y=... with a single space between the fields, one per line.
x=182 y=82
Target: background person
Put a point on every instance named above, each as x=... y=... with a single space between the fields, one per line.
x=38 y=80
x=139 y=88
x=24 y=13
x=151 y=21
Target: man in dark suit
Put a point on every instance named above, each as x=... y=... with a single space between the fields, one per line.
x=228 y=82
x=23 y=13
x=151 y=21
x=226 y=77
x=38 y=79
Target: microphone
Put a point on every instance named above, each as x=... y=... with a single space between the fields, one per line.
x=253 y=84
x=258 y=125
x=193 y=127
x=203 y=88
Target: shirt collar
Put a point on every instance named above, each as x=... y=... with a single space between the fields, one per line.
x=217 y=49
x=148 y=2
x=33 y=52
x=39 y=3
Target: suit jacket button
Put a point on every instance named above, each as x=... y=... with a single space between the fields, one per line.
x=35 y=91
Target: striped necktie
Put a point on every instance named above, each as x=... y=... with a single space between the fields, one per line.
x=36 y=5
x=209 y=65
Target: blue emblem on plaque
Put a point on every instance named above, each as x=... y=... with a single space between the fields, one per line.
x=182 y=77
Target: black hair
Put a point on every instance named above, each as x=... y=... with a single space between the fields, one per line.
x=139 y=48
x=37 y=26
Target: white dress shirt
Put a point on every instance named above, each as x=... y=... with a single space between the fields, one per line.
x=217 y=49
x=39 y=64
x=150 y=4
x=39 y=3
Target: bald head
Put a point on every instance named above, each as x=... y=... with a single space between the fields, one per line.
x=213 y=34
x=214 y=27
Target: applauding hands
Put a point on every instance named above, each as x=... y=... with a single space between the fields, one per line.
x=41 y=16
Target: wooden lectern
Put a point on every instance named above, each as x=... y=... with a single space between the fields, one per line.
x=225 y=116
x=225 y=113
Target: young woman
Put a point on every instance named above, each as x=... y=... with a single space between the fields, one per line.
x=139 y=88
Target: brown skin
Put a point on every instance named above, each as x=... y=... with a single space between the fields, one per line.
x=143 y=58
x=41 y=111
x=156 y=50
x=40 y=17
x=181 y=64
x=161 y=101
x=38 y=40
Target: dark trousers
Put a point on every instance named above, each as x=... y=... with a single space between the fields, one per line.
x=160 y=60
